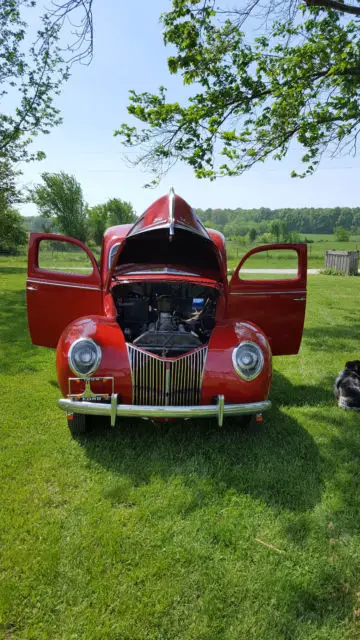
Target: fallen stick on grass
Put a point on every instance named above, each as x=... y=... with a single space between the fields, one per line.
x=269 y=546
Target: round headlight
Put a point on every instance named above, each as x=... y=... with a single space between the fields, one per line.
x=248 y=360
x=84 y=356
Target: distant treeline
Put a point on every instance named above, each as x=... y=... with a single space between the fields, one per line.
x=239 y=222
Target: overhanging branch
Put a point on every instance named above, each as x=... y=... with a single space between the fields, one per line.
x=333 y=4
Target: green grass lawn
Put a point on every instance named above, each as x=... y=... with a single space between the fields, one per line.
x=151 y=531
x=269 y=260
x=77 y=259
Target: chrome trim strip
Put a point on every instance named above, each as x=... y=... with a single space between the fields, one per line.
x=164 y=225
x=167 y=383
x=171 y=213
x=61 y=284
x=200 y=223
x=147 y=411
x=159 y=225
x=187 y=227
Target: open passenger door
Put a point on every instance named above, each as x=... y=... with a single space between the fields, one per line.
x=63 y=284
x=277 y=301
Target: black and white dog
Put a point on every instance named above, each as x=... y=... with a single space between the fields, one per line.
x=347 y=386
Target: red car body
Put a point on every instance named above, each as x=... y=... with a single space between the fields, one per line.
x=162 y=321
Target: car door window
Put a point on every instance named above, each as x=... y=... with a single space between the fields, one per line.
x=275 y=264
x=66 y=257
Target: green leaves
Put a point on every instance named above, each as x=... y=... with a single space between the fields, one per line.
x=112 y=212
x=250 y=99
x=60 y=197
x=33 y=73
x=13 y=234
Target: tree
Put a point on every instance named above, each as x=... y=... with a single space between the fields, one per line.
x=98 y=222
x=112 y=212
x=60 y=198
x=342 y=235
x=9 y=193
x=33 y=68
x=294 y=236
x=284 y=231
x=252 y=234
x=266 y=238
x=275 y=229
x=212 y=225
x=12 y=231
x=252 y=96
x=119 y=212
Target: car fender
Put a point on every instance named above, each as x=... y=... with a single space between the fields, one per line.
x=114 y=360
x=220 y=376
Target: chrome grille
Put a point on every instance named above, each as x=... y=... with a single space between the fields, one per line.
x=166 y=381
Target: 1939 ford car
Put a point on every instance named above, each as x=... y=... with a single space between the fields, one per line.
x=156 y=330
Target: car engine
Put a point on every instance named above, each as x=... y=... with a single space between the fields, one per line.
x=165 y=318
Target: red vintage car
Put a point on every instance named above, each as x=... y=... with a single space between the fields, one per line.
x=156 y=330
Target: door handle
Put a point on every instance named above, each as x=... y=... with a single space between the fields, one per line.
x=298 y=299
x=29 y=288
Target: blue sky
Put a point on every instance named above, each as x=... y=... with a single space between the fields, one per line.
x=129 y=54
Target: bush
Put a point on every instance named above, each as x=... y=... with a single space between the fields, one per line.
x=341 y=234
x=335 y=272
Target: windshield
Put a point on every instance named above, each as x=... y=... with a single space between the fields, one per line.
x=112 y=252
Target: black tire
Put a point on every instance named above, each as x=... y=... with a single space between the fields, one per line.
x=78 y=424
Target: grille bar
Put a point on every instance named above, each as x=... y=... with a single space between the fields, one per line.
x=166 y=381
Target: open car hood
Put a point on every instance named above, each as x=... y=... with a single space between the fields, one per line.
x=170 y=235
x=171 y=213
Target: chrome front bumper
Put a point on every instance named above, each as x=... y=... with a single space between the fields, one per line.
x=113 y=409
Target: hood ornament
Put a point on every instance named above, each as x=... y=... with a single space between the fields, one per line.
x=171 y=213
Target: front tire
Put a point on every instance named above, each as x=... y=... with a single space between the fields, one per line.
x=78 y=424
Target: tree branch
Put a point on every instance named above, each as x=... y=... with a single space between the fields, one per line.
x=333 y=4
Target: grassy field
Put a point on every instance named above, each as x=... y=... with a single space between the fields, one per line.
x=70 y=260
x=316 y=253
x=156 y=531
